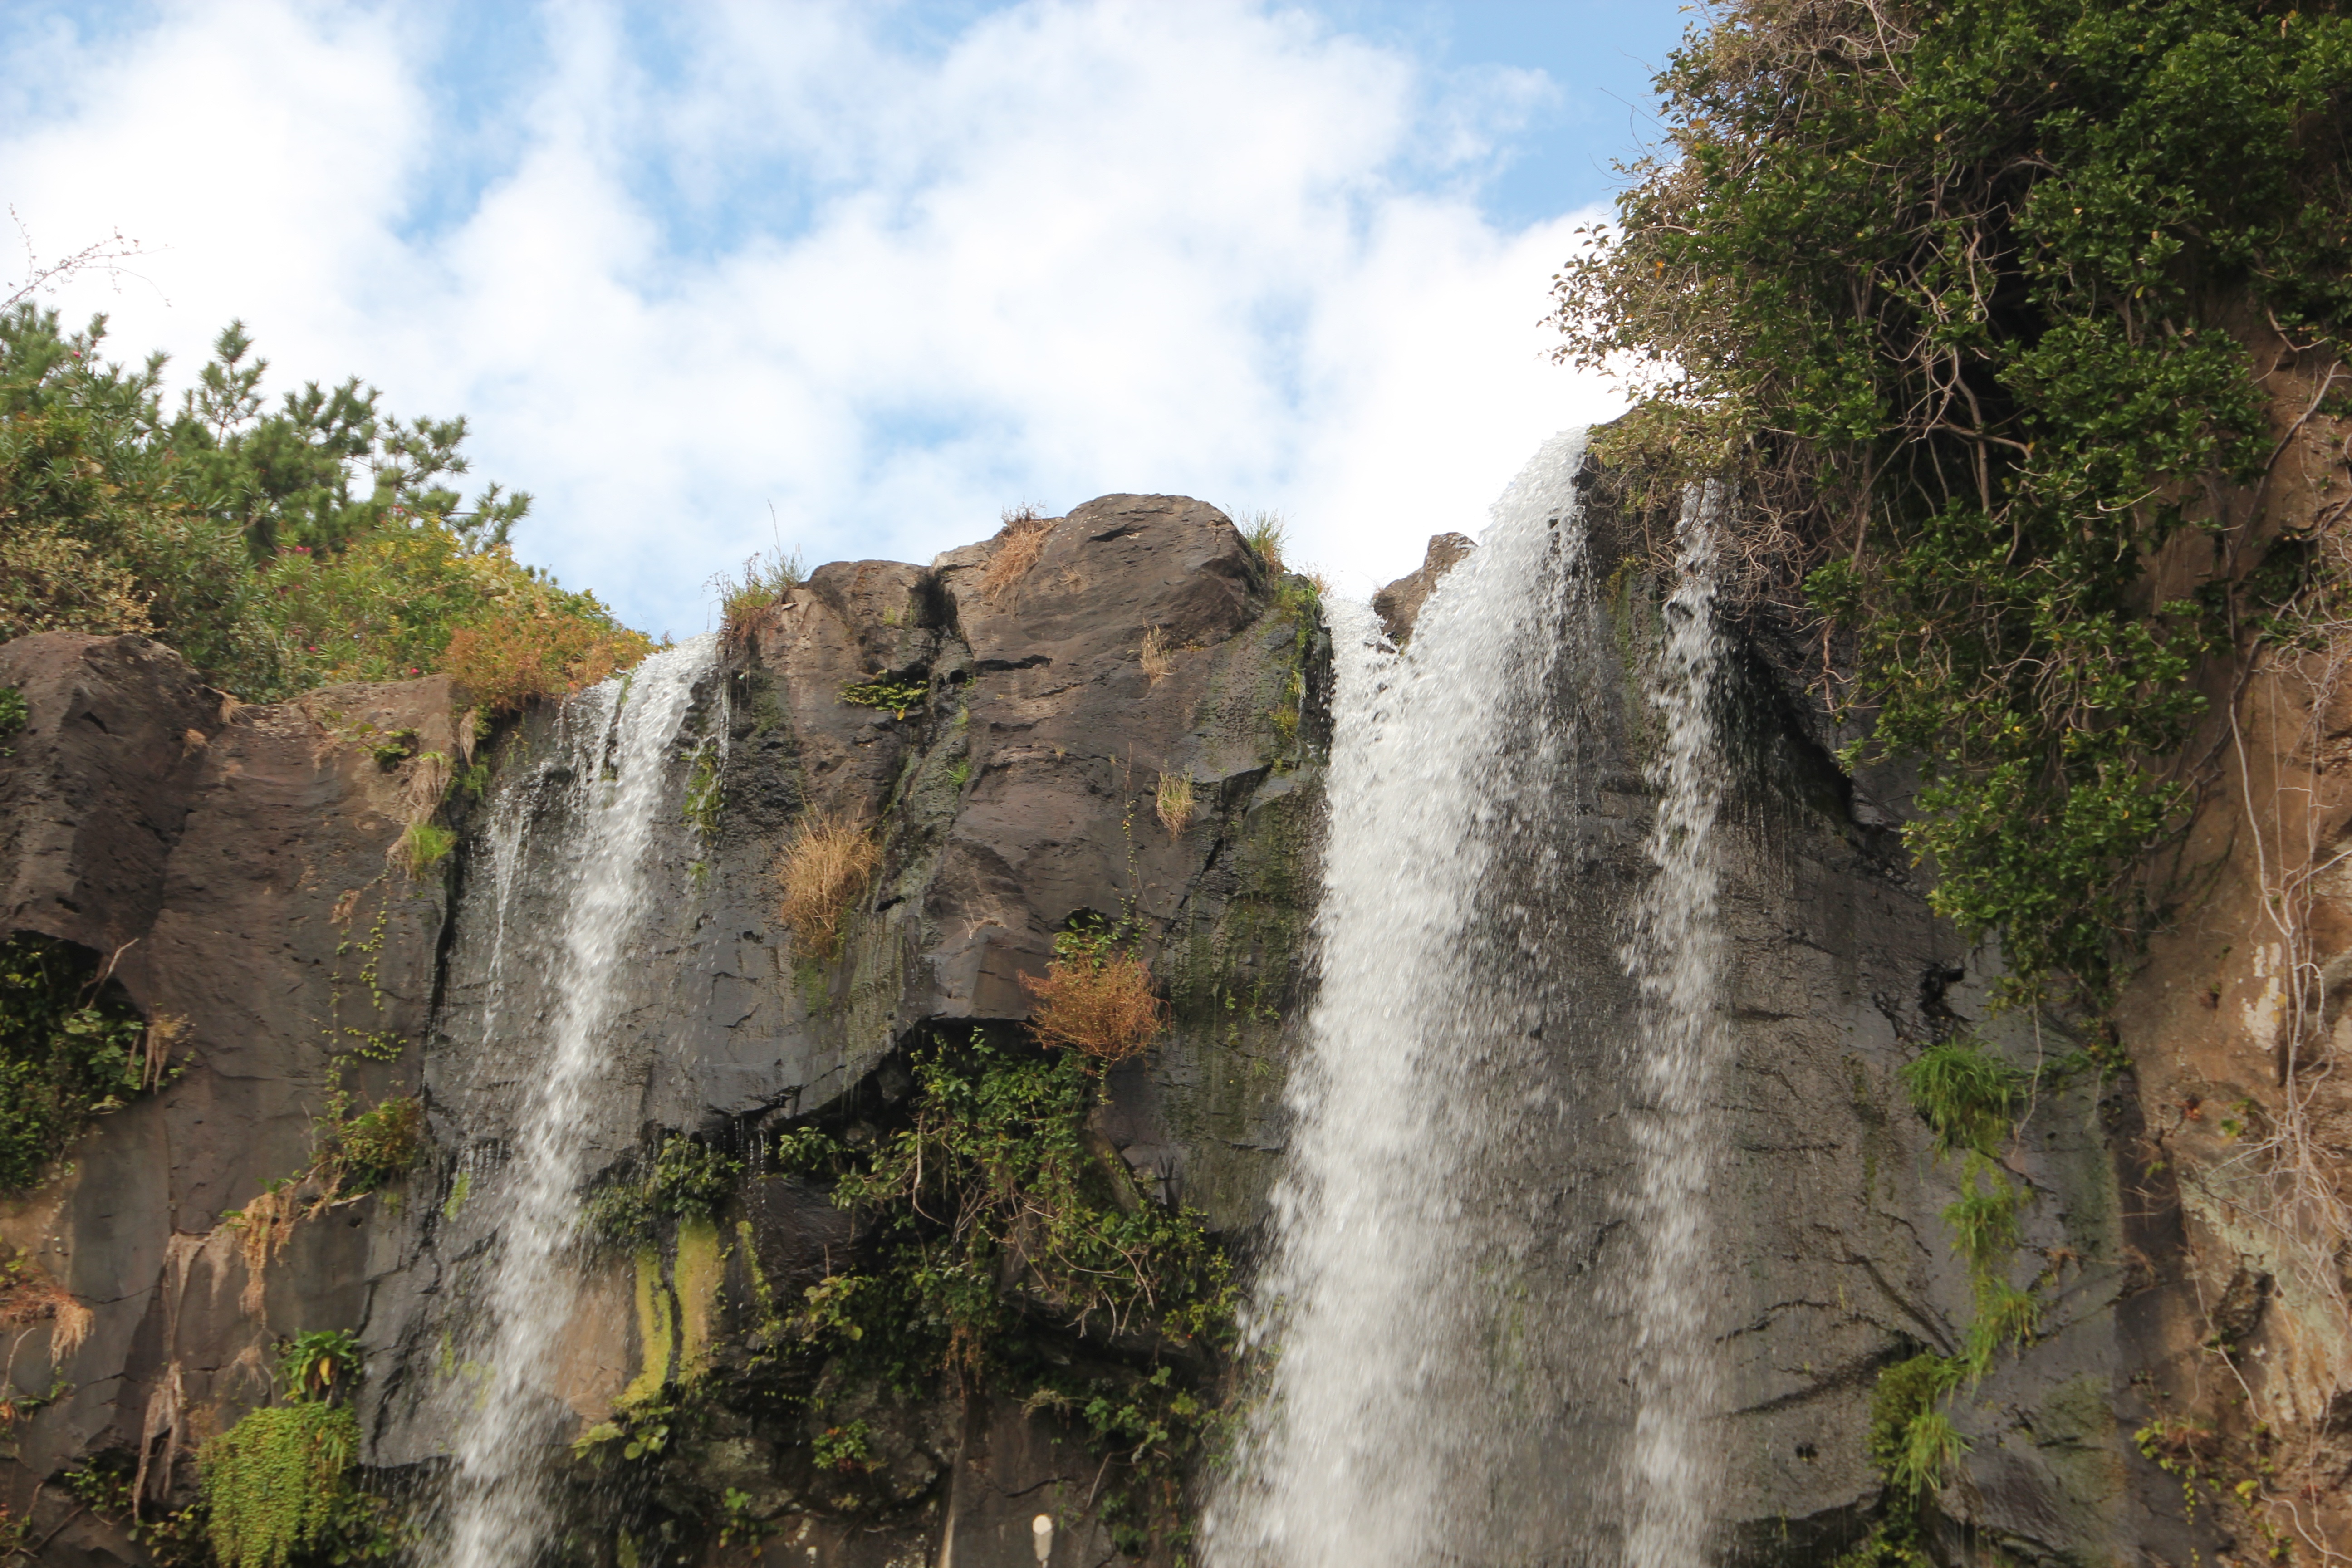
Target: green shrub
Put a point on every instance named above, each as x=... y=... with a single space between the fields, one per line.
x=999 y=1235
x=361 y=1154
x=1950 y=291
x=276 y=1481
x=685 y=1179
x=71 y=1048
x=13 y=715
x=1966 y=1094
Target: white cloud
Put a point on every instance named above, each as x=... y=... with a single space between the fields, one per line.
x=1215 y=248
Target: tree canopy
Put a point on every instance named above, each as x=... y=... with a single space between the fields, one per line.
x=278 y=547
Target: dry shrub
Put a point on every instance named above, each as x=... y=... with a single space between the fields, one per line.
x=1173 y=802
x=30 y=1296
x=264 y=1226
x=1018 y=545
x=1158 y=657
x=1096 y=998
x=163 y=1031
x=514 y=659
x=826 y=865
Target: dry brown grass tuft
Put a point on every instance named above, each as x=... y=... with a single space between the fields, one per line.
x=1096 y=999
x=264 y=1226
x=826 y=865
x=1173 y=802
x=428 y=781
x=1158 y=657
x=1019 y=543
x=30 y=1296
x=165 y=1030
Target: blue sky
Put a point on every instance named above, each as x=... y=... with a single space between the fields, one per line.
x=859 y=276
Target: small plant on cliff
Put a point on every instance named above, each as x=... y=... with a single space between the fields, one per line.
x=898 y=696
x=312 y=1363
x=1155 y=656
x=825 y=869
x=1266 y=535
x=1096 y=997
x=767 y=577
x=684 y=1179
x=13 y=715
x=72 y=1047
x=1019 y=543
x=421 y=847
x=1172 y=803
x=1966 y=1094
x=361 y=1154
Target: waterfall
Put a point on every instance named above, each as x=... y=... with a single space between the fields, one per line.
x=550 y=1001
x=1482 y=1317
x=1675 y=956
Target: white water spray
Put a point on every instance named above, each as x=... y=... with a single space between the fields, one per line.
x=616 y=743
x=1370 y=1439
x=1675 y=956
x=1486 y=1307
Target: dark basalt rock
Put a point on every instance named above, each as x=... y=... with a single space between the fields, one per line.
x=1398 y=605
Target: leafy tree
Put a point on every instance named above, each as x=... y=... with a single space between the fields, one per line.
x=276 y=548
x=1963 y=294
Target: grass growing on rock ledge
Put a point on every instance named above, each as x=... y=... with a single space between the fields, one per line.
x=825 y=869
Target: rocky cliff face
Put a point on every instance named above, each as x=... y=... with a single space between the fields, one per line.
x=230 y=863
x=241 y=855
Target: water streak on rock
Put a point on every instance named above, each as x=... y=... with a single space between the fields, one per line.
x=613 y=756
x=1675 y=956
x=1379 y=1441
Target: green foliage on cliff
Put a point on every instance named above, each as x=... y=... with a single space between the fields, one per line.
x=277 y=549
x=1012 y=1250
x=685 y=1179
x=278 y=1486
x=1961 y=293
x=71 y=1048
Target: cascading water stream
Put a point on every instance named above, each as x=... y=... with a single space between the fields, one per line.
x=613 y=755
x=1376 y=1411
x=1675 y=956
x=1485 y=1303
